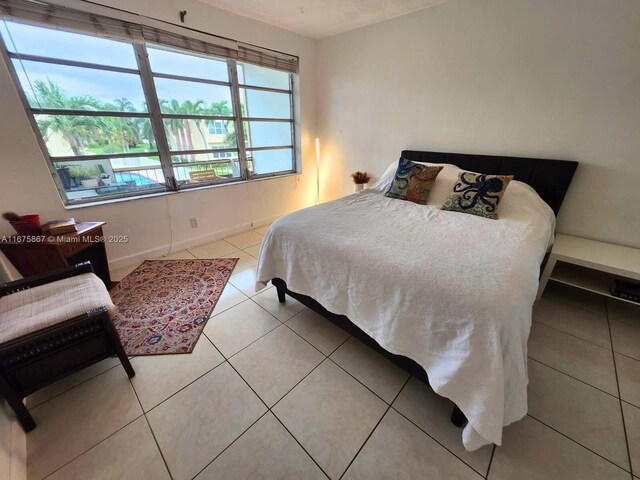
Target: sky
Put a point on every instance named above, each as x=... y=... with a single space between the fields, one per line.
x=107 y=86
x=104 y=85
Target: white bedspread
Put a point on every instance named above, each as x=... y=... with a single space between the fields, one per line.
x=452 y=291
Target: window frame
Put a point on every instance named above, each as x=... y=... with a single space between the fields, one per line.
x=249 y=119
x=156 y=118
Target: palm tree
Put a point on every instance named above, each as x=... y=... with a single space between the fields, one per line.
x=123 y=130
x=77 y=130
x=223 y=109
x=146 y=129
x=176 y=125
x=199 y=107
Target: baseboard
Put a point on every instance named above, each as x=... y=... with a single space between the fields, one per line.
x=156 y=252
x=266 y=220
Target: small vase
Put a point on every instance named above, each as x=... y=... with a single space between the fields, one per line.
x=358 y=187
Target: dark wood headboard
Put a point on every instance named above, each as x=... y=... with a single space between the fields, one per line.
x=550 y=178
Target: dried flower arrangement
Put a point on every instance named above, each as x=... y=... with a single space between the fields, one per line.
x=360 y=178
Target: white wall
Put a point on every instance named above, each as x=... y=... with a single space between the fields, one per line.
x=537 y=78
x=152 y=224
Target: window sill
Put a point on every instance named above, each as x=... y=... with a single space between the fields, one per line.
x=175 y=192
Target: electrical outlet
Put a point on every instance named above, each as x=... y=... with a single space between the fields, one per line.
x=194 y=222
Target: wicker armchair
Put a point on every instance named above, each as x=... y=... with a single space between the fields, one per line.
x=39 y=345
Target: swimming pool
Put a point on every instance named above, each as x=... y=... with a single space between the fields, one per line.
x=140 y=180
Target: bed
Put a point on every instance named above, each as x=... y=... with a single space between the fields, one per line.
x=448 y=296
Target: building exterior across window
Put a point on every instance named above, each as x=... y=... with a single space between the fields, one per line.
x=119 y=118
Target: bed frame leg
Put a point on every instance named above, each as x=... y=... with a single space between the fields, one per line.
x=457 y=417
x=281 y=297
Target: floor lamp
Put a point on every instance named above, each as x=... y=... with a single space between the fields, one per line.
x=317 y=171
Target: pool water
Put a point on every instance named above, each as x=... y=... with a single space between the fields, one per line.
x=140 y=180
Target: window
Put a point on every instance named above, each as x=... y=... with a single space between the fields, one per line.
x=122 y=117
x=218 y=128
x=265 y=103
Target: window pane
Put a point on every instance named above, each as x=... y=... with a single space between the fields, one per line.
x=73 y=88
x=184 y=134
x=267 y=134
x=206 y=167
x=192 y=98
x=46 y=42
x=67 y=135
x=261 y=104
x=187 y=65
x=262 y=77
x=94 y=178
x=270 y=161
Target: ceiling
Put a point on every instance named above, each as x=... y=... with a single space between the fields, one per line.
x=321 y=18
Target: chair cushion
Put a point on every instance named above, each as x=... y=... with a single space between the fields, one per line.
x=39 y=307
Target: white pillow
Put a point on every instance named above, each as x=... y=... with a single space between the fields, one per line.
x=443 y=185
x=385 y=180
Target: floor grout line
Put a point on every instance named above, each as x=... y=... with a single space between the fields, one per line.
x=629 y=403
x=77 y=385
x=571 y=376
x=144 y=414
x=327 y=357
x=188 y=250
x=618 y=398
x=155 y=439
x=245 y=347
x=92 y=446
x=226 y=360
x=615 y=369
x=362 y=383
x=395 y=409
x=574 y=336
x=270 y=409
x=185 y=386
x=229 y=446
x=568 y=302
x=270 y=313
x=228 y=308
x=153 y=434
x=298 y=383
x=577 y=443
x=298 y=442
x=627 y=356
x=374 y=428
x=493 y=452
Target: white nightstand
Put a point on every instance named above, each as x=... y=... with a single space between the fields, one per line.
x=590 y=265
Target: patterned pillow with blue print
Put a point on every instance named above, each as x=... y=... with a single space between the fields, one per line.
x=477 y=194
x=412 y=181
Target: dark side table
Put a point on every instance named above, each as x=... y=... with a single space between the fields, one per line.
x=31 y=255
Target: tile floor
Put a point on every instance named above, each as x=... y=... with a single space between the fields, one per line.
x=275 y=391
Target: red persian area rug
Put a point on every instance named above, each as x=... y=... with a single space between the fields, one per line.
x=163 y=305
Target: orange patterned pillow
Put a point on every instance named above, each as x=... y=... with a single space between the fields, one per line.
x=421 y=183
